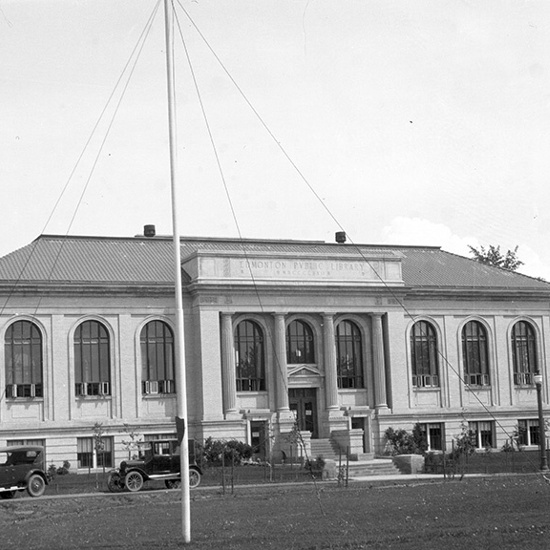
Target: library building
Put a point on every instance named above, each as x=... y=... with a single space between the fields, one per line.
x=333 y=342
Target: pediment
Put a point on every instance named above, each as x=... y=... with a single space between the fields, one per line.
x=303 y=370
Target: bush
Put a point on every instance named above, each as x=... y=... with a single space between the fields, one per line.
x=464 y=443
x=52 y=472
x=63 y=470
x=316 y=465
x=401 y=442
x=215 y=452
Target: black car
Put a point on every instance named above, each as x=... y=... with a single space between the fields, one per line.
x=158 y=459
x=22 y=467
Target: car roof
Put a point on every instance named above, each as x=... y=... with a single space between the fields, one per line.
x=13 y=448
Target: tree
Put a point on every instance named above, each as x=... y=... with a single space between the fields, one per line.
x=493 y=256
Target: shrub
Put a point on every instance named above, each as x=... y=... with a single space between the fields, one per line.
x=63 y=470
x=401 y=442
x=215 y=452
x=463 y=444
x=52 y=472
x=316 y=465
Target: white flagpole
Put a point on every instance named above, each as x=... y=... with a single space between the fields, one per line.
x=181 y=385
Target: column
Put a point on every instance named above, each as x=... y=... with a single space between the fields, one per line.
x=228 y=366
x=281 y=379
x=380 y=399
x=331 y=375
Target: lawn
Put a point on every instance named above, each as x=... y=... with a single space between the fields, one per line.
x=500 y=512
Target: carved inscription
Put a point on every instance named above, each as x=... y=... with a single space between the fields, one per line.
x=305 y=268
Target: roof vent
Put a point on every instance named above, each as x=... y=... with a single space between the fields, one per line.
x=149 y=230
x=340 y=237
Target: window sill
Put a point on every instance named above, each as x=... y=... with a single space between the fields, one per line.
x=158 y=395
x=427 y=389
x=525 y=387
x=92 y=397
x=252 y=392
x=23 y=399
x=477 y=388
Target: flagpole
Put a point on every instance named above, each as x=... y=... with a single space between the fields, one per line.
x=181 y=385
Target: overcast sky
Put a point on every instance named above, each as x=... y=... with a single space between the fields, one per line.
x=416 y=122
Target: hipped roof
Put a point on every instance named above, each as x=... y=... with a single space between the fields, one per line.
x=149 y=261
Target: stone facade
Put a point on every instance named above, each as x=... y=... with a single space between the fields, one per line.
x=328 y=289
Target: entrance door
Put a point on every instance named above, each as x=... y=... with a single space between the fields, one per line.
x=303 y=401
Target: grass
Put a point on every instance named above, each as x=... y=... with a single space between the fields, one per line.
x=213 y=477
x=494 y=512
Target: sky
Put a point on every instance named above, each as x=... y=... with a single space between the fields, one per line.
x=412 y=123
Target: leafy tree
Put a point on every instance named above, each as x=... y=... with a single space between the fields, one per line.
x=493 y=256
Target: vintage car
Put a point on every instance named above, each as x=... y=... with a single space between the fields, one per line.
x=158 y=459
x=22 y=467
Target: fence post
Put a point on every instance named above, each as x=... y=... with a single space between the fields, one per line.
x=347 y=466
x=223 y=472
x=232 y=470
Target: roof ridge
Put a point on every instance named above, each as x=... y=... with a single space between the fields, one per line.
x=237 y=240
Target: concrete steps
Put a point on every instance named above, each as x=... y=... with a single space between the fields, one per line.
x=357 y=468
x=324 y=448
x=374 y=467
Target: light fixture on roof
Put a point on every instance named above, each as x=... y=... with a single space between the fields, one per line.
x=149 y=231
x=340 y=237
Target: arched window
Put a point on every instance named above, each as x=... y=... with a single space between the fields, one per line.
x=349 y=355
x=249 y=357
x=524 y=353
x=425 y=365
x=92 y=362
x=157 y=358
x=474 y=354
x=23 y=360
x=299 y=343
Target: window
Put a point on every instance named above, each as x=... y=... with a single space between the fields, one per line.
x=433 y=434
x=92 y=359
x=98 y=455
x=474 y=354
x=481 y=434
x=524 y=354
x=349 y=355
x=425 y=366
x=23 y=360
x=528 y=432
x=249 y=357
x=299 y=343
x=157 y=358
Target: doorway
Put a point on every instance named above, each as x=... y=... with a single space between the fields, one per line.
x=303 y=402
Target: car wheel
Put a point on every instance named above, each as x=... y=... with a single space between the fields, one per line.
x=172 y=483
x=115 y=483
x=194 y=479
x=7 y=494
x=36 y=485
x=134 y=481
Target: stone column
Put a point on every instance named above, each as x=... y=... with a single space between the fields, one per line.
x=331 y=375
x=380 y=398
x=228 y=366
x=281 y=378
